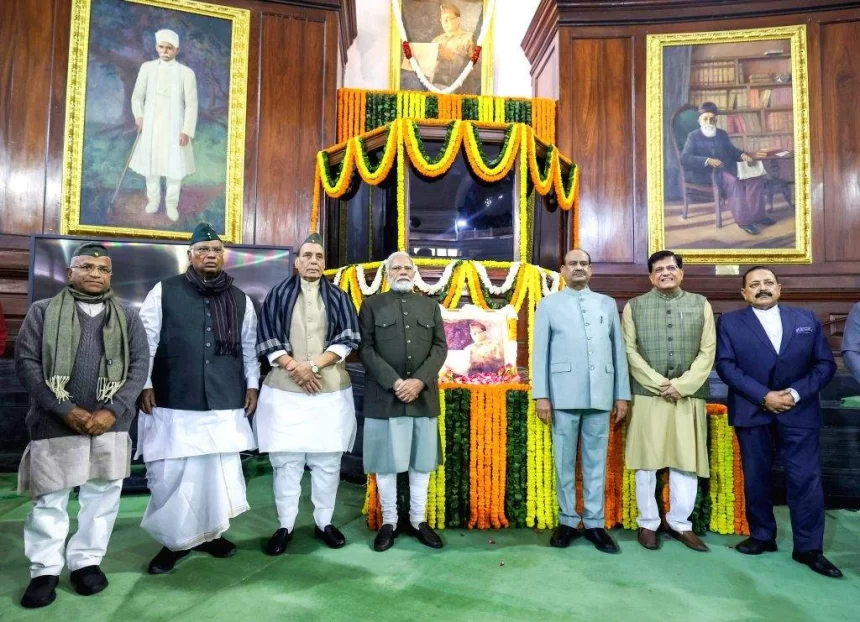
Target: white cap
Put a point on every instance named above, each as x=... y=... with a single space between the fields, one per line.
x=167 y=36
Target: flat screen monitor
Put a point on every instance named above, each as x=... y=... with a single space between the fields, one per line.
x=139 y=264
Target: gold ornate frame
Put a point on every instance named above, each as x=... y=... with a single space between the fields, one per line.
x=396 y=53
x=802 y=252
x=70 y=219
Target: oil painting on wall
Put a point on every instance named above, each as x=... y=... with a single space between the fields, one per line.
x=155 y=118
x=728 y=145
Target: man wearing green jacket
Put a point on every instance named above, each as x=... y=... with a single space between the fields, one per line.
x=402 y=349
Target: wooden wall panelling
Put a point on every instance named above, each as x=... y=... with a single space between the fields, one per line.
x=26 y=36
x=595 y=128
x=840 y=93
x=297 y=117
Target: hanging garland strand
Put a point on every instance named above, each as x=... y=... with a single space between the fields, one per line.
x=404 y=140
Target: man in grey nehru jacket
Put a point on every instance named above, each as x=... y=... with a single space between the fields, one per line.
x=83 y=358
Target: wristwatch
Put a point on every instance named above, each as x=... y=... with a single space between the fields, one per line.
x=315 y=368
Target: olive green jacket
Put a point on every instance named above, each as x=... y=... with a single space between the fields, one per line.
x=402 y=337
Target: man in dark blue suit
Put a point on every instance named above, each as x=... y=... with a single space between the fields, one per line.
x=709 y=148
x=775 y=360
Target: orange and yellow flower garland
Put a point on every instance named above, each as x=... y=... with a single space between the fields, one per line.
x=352 y=112
x=403 y=140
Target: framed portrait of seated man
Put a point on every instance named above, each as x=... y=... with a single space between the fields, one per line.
x=727 y=140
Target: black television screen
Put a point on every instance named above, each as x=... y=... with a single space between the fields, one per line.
x=139 y=264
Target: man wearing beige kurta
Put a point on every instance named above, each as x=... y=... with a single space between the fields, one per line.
x=671 y=343
x=306 y=414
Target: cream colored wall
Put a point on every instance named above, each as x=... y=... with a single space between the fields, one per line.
x=368 y=57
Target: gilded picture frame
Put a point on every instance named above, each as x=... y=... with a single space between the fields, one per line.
x=741 y=195
x=422 y=22
x=118 y=177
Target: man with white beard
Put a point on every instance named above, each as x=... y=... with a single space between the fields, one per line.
x=402 y=349
x=709 y=148
x=164 y=104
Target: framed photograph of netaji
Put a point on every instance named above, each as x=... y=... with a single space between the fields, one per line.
x=443 y=37
x=727 y=140
x=155 y=118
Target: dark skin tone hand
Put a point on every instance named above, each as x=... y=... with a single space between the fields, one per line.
x=100 y=422
x=250 y=402
x=77 y=419
x=147 y=401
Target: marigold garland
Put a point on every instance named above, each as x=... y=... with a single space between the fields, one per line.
x=519 y=142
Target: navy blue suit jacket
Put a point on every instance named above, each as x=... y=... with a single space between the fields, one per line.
x=748 y=364
x=698 y=148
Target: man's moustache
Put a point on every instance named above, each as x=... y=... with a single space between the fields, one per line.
x=762 y=294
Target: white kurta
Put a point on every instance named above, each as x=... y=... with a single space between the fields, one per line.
x=171 y=433
x=165 y=95
x=192 y=457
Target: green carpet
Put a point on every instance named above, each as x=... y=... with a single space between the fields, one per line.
x=495 y=575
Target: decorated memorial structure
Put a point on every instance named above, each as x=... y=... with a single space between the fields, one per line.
x=474 y=189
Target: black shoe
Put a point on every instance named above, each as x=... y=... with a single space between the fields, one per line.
x=88 y=580
x=563 y=536
x=333 y=538
x=165 y=560
x=752 y=546
x=767 y=221
x=751 y=229
x=427 y=536
x=817 y=561
x=384 y=539
x=41 y=591
x=278 y=542
x=220 y=547
x=601 y=540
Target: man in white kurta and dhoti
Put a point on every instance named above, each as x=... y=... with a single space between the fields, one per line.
x=306 y=414
x=203 y=384
x=164 y=104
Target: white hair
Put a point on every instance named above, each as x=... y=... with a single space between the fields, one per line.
x=397 y=254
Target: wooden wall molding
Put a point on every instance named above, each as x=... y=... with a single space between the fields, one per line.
x=621 y=12
x=541 y=31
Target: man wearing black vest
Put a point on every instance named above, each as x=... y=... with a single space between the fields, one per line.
x=204 y=378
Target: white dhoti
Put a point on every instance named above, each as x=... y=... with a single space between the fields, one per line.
x=47 y=526
x=193 y=499
x=298 y=429
x=194 y=473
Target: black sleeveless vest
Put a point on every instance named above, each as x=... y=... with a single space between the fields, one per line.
x=186 y=374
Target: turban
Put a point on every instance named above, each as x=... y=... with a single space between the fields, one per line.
x=167 y=36
x=708 y=107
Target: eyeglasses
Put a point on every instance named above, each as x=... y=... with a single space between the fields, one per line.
x=662 y=269
x=89 y=268
x=206 y=250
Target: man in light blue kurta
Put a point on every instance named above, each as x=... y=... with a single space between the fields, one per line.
x=579 y=380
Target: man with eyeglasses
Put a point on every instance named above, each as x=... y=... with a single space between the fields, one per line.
x=307 y=415
x=203 y=384
x=403 y=347
x=671 y=343
x=82 y=357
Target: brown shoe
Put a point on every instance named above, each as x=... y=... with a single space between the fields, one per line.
x=687 y=538
x=648 y=539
